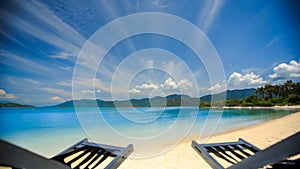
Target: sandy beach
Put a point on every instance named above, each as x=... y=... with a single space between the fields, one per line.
x=183 y=155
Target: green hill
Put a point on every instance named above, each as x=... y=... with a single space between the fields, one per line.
x=230 y=95
x=10 y=104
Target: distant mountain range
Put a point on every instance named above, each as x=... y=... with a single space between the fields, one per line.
x=171 y=100
x=230 y=95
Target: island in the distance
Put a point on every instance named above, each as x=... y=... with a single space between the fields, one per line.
x=10 y=104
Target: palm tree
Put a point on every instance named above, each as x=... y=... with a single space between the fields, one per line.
x=287 y=88
x=269 y=90
x=261 y=92
x=297 y=88
x=276 y=90
x=281 y=92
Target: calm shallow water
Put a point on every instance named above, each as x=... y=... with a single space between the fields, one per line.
x=48 y=131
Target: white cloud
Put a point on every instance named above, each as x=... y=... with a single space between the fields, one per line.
x=147 y=86
x=169 y=84
x=4 y=95
x=134 y=90
x=286 y=71
x=2 y=92
x=87 y=91
x=185 y=84
x=237 y=80
x=216 y=87
x=57 y=99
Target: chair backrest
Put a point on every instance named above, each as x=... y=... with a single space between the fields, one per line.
x=83 y=153
x=231 y=152
x=91 y=155
x=242 y=154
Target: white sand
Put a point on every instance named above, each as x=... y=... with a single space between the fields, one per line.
x=184 y=156
x=257 y=107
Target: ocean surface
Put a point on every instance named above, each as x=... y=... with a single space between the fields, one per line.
x=152 y=131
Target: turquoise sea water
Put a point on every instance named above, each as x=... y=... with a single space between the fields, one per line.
x=48 y=131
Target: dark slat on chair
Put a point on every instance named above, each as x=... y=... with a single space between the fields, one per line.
x=229 y=148
x=94 y=154
x=90 y=156
x=249 y=148
x=238 y=147
x=222 y=151
x=63 y=156
x=220 y=148
x=216 y=152
x=104 y=157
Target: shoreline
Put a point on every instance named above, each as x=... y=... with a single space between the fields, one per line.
x=183 y=156
x=257 y=107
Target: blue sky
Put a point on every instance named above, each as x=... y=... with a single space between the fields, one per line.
x=257 y=43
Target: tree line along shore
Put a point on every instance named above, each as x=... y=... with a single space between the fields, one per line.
x=265 y=96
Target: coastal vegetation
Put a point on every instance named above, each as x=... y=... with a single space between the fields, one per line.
x=10 y=104
x=265 y=96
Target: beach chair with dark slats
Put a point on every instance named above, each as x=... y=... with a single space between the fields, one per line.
x=243 y=155
x=91 y=155
x=83 y=154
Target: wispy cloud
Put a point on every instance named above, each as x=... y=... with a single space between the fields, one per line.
x=87 y=91
x=210 y=10
x=50 y=29
x=32 y=81
x=275 y=40
x=64 y=83
x=59 y=92
x=9 y=36
x=62 y=55
x=65 y=68
x=159 y=4
x=14 y=60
